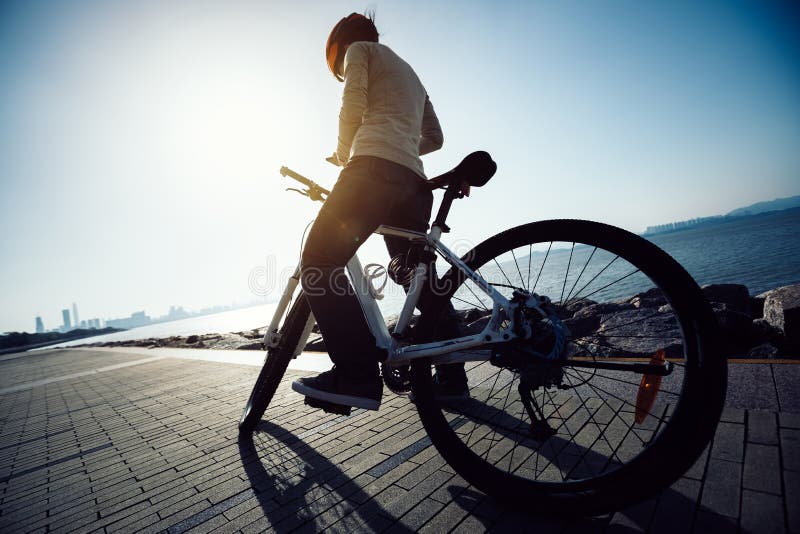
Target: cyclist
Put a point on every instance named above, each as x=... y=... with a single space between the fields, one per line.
x=386 y=122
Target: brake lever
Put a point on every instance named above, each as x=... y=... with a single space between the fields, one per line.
x=305 y=193
x=312 y=193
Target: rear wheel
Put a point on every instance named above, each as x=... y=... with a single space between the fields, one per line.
x=565 y=419
x=277 y=361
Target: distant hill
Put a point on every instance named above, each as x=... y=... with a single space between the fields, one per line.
x=768 y=205
x=759 y=208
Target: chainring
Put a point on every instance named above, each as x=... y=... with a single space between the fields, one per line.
x=397 y=378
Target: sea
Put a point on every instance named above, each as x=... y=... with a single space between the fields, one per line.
x=761 y=252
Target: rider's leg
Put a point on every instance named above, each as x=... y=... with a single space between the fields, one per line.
x=357 y=205
x=414 y=215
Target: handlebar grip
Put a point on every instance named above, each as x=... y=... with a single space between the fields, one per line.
x=286 y=171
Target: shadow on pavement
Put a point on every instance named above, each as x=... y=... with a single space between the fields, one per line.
x=670 y=511
x=297 y=486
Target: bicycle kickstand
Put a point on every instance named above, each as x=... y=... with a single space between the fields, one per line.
x=540 y=430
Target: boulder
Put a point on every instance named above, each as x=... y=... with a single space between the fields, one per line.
x=652 y=298
x=638 y=333
x=252 y=334
x=763 y=332
x=782 y=310
x=764 y=351
x=736 y=297
x=251 y=346
x=582 y=326
x=603 y=308
x=735 y=328
x=572 y=307
x=757 y=307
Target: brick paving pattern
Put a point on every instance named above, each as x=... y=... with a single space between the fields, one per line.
x=98 y=441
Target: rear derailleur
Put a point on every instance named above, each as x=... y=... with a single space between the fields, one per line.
x=535 y=356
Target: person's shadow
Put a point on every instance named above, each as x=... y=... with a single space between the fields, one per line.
x=299 y=488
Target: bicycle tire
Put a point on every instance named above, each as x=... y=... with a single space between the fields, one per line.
x=275 y=365
x=685 y=427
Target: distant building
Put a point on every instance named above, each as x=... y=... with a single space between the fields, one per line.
x=39 y=326
x=67 y=324
x=93 y=323
x=135 y=320
x=175 y=313
x=75 y=320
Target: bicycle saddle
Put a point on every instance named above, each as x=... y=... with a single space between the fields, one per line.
x=477 y=168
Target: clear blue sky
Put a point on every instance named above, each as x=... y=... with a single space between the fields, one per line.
x=140 y=141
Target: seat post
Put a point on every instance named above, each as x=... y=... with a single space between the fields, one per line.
x=450 y=194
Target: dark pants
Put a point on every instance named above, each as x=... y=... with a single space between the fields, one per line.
x=370 y=192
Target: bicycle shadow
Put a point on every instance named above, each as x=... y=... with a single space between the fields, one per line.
x=297 y=487
x=670 y=511
x=674 y=509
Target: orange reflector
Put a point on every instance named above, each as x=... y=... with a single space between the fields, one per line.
x=648 y=389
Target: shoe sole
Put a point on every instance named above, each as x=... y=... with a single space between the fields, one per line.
x=346 y=400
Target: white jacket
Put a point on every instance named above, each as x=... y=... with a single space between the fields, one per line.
x=385 y=109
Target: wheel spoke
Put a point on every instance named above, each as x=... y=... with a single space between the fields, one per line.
x=587 y=284
x=585 y=265
x=504 y=273
x=517 y=265
x=547 y=254
x=618 y=280
x=566 y=273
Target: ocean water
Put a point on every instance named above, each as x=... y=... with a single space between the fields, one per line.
x=760 y=252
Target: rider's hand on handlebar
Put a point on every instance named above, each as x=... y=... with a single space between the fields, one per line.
x=334 y=160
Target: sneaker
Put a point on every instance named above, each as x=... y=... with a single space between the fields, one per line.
x=337 y=388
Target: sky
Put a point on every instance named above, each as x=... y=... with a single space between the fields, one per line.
x=140 y=142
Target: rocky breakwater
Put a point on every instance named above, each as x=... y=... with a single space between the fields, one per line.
x=762 y=326
x=245 y=340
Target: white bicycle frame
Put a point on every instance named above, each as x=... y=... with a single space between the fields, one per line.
x=442 y=352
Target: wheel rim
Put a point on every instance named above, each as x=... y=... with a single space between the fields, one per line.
x=593 y=423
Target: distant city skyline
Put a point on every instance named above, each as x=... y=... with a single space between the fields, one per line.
x=140 y=142
x=134 y=320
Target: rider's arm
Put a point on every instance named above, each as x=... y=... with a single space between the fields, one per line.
x=354 y=98
x=431 y=134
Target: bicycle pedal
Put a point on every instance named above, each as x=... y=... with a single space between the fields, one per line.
x=328 y=407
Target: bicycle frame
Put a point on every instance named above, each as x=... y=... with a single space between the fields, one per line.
x=442 y=351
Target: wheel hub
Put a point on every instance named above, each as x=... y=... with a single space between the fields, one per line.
x=540 y=343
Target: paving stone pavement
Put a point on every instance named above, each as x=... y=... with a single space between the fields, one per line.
x=101 y=441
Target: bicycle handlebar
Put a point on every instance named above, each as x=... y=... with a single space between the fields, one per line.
x=314 y=191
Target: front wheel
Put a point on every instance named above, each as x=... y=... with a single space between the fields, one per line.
x=277 y=361
x=575 y=415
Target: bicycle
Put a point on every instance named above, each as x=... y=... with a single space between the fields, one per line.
x=576 y=404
